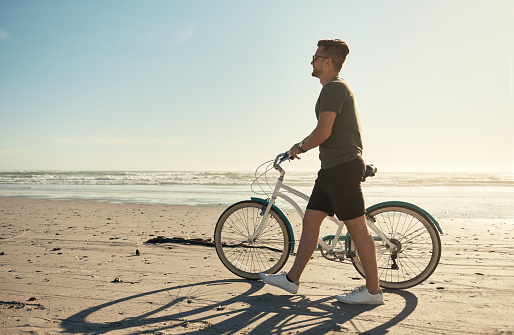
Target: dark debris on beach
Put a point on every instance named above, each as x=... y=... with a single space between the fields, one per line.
x=19 y=305
x=197 y=241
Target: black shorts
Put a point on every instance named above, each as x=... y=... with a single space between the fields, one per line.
x=338 y=190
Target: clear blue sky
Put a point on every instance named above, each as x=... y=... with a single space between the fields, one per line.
x=226 y=85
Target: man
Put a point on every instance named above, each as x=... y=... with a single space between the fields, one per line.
x=337 y=189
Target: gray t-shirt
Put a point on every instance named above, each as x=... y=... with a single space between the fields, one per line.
x=345 y=141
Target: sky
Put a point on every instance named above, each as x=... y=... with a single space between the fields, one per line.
x=226 y=85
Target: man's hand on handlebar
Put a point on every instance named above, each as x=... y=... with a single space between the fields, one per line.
x=295 y=151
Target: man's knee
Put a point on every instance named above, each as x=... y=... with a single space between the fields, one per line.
x=357 y=225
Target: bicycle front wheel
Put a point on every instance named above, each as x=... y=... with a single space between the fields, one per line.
x=417 y=247
x=267 y=253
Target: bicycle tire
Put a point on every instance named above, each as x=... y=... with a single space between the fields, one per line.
x=268 y=253
x=418 y=241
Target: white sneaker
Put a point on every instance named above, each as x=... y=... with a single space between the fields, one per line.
x=361 y=295
x=280 y=280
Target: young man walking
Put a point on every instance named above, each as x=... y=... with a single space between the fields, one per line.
x=337 y=189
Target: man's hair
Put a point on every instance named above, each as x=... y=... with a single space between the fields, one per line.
x=335 y=49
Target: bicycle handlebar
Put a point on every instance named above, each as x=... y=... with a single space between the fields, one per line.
x=280 y=159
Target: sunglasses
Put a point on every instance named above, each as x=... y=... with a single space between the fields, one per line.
x=315 y=57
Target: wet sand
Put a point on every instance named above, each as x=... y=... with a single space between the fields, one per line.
x=71 y=267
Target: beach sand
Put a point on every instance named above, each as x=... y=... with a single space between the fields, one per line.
x=71 y=268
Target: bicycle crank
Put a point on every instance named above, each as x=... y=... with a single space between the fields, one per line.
x=335 y=256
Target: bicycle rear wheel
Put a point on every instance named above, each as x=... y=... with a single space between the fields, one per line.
x=418 y=247
x=267 y=253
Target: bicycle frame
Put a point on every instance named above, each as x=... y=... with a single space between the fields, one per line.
x=277 y=193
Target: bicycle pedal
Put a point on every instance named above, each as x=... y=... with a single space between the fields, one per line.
x=339 y=256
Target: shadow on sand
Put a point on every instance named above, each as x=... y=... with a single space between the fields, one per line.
x=186 y=309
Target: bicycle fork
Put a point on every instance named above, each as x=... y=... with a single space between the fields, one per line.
x=266 y=215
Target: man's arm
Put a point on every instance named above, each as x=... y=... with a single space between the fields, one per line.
x=319 y=135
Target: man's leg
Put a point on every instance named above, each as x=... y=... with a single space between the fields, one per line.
x=308 y=242
x=360 y=234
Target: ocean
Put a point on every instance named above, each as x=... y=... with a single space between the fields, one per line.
x=486 y=195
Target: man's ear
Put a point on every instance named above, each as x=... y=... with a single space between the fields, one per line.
x=329 y=62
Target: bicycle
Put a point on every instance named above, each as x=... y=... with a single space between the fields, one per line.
x=254 y=236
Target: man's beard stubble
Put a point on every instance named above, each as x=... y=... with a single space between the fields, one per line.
x=316 y=72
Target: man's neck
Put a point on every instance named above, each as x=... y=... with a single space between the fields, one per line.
x=328 y=78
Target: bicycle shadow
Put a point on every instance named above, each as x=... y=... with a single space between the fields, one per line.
x=321 y=316
x=260 y=314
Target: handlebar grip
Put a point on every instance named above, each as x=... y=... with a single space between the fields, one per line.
x=282 y=157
